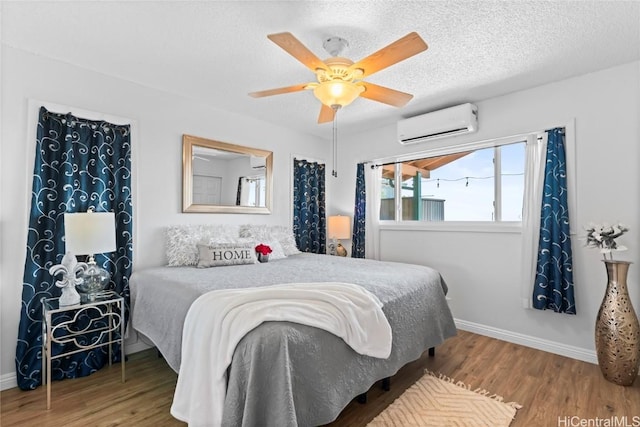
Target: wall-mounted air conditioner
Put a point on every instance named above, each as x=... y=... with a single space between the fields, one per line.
x=451 y=121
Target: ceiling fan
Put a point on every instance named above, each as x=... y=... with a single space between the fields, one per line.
x=339 y=80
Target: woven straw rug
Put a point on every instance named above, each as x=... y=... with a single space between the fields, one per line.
x=441 y=401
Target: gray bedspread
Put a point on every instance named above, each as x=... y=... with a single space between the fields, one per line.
x=286 y=374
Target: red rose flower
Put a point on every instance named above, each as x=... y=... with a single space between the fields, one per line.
x=263 y=249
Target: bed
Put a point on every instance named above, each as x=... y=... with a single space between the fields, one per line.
x=288 y=374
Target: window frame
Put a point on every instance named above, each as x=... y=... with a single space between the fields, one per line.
x=482 y=226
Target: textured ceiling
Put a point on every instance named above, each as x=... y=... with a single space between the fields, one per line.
x=216 y=52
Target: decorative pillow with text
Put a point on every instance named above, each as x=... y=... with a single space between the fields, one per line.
x=220 y=254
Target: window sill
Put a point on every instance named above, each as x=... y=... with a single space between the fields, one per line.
x=452 y=226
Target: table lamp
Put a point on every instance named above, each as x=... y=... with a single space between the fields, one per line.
x=90 y=233
x=339 y=227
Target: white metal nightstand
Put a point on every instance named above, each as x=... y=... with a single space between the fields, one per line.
x=108 y=306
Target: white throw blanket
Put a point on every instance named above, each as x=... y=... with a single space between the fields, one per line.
x=218 y=320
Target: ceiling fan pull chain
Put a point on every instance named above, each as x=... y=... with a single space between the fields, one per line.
x=334 y=172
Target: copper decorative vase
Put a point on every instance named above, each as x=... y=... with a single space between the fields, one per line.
x=617 y=329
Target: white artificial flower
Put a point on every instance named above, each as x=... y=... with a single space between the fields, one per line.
x=604 y=237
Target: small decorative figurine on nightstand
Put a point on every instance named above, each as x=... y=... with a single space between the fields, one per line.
x=69 y=268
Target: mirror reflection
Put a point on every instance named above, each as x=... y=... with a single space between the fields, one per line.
x=222 y=177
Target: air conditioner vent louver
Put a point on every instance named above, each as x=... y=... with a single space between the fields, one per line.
x=457 y=120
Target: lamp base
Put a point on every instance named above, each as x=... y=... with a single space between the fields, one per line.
x=94 y=280
x=341 y=250
x=336 y=248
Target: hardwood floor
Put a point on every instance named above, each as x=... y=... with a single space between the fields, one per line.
x=549 y=387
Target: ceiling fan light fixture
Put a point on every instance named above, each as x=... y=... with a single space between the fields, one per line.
x=337 y=92
x=339 y=79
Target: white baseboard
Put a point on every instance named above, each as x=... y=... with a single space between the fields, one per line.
x=9 y=380
x=538 y=343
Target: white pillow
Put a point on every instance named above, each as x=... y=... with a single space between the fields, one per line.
x=283 y=234
x=220 y=254
x=255 y=231
x=181 y=241
x=288 y=243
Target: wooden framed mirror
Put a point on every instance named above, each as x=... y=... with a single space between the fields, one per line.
x=218 y=177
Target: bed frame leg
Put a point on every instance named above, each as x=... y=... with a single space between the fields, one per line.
x=362 y=398
x=432 y=351
x=386 y=384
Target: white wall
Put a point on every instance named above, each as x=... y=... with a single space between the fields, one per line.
x=162 y=118
x=483 y=269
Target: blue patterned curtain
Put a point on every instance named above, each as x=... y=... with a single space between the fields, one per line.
x=553 y=287
x=79 y=164
x=309 y=218
x=359 y=215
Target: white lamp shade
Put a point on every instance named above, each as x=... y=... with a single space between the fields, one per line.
x=89 y=233
x=337 y=92
x=339 y=227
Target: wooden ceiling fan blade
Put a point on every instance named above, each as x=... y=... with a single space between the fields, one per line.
x=326 y=114
x=295 y=48
x=397 y=51
x=279 y=90
x=385 y=95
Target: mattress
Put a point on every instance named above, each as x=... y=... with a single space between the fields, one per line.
x=287 y=374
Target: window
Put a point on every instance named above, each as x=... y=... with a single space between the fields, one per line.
x=257 y=190
x=253 y=191
x=482 y=184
